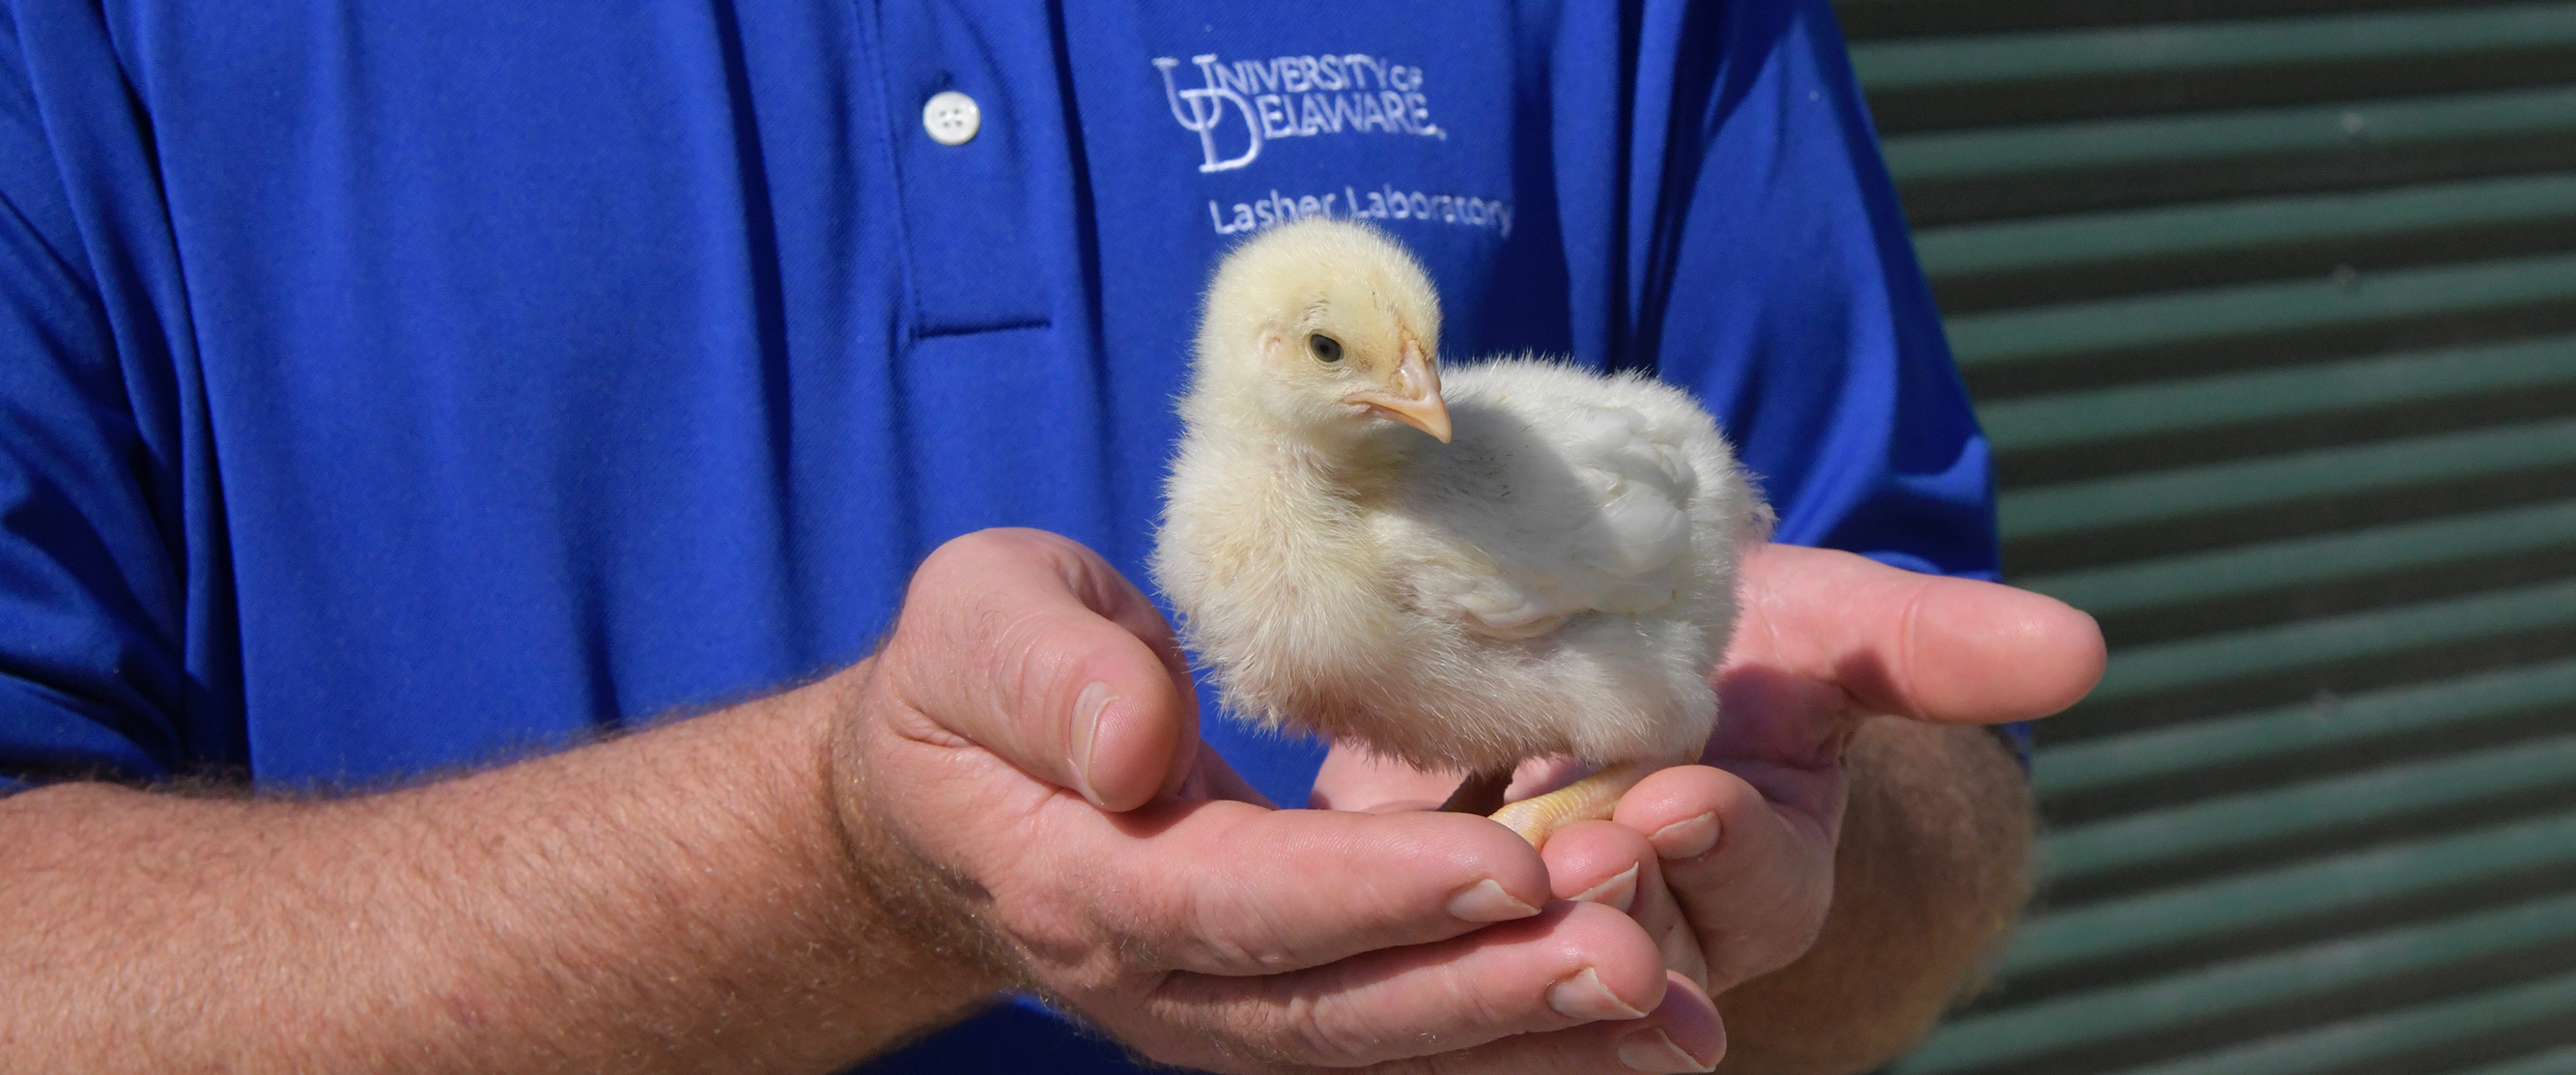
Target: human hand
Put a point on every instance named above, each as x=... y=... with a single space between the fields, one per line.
x=1025 y=790
x=1729 y=864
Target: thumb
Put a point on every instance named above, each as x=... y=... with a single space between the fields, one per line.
x=1933 y=648
x=1032 y=647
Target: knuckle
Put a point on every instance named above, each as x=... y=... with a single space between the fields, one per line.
x=1007 y=540
x=1293 y=1025
x=968 y=558
x=1333 y=1038
x=1171 y=929
x=952 y=557
x=1053 y=932
x=1061 y=914
x=1272 y=1028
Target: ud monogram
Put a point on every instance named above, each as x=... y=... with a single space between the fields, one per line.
x=1294 y=97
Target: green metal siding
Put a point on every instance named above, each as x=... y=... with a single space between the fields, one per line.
x=2270 y=309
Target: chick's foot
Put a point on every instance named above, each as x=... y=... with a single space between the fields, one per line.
x=1592 y=798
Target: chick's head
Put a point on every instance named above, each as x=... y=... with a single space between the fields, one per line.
x=1323 y=331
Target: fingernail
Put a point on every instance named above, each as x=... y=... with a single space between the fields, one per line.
x=1617 y=893
x=1086 y=728
x=1584 y=997
x=1653 y=1050
x=1485 y=901
x=1686 y=839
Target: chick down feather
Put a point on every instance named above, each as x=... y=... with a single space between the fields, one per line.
x=1558 y=579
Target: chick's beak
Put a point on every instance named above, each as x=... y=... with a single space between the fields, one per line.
x=1412 y=396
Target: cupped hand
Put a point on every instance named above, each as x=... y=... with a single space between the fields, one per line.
x=1729 y=864
x=1025 y=791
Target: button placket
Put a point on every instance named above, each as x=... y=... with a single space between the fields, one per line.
x=963 y=175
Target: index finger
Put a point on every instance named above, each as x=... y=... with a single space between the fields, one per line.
x=1931 y=647
x=1231 y=889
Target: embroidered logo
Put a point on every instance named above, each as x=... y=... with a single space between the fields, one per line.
x=1240 y=106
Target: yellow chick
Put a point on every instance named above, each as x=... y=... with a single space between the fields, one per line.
x=1465 y=570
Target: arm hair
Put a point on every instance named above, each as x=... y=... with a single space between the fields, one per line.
x=680 y=899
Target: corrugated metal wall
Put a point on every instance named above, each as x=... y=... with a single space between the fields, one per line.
x=2270 y=307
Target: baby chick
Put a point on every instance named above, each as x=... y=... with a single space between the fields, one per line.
x=1526 y=560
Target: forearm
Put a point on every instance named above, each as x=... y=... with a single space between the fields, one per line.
x=1929 y=873
x=680 y=899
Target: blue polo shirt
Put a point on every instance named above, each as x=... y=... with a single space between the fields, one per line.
x=392 y=387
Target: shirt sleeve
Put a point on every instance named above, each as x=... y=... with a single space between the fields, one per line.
x=91 y=672
x=1778 y=279
x=1775 y=276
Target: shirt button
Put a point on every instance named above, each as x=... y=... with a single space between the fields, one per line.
x=951 y=118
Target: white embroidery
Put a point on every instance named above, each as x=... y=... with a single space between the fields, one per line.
x=1247 y=103
x=1382 y=203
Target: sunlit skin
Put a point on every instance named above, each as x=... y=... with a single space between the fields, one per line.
x=1744 y=843
x=1827 y=639
x=799 y=882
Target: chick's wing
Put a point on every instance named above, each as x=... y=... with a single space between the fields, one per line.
x=1529 y=519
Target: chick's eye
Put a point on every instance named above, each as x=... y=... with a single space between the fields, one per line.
x=1327 y=349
